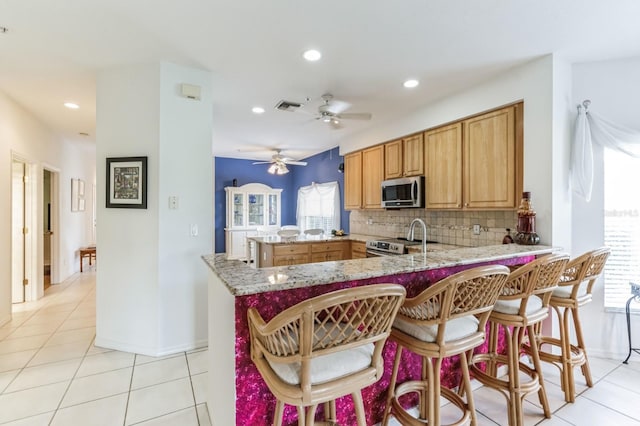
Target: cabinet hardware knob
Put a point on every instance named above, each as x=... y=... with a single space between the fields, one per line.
x=466 y=204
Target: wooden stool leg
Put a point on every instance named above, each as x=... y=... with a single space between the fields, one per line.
x=535 y=355
x=433 y=392
x=359 y=407
x=516 y=417
x=586 y=371
x=277 y=415
x=466 y=385
x=568 y=384
x=311 y=415
x=392 y=385
x=492 y=368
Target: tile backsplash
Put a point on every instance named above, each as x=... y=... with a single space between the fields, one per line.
x=447 y=227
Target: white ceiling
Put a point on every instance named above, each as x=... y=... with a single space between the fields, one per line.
x=253 y=48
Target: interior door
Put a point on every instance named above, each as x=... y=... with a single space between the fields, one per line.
x=18 y=229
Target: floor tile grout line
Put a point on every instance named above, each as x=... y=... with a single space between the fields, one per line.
x=126 y=405
x=193 y=392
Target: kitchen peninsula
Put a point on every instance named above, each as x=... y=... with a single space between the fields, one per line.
x=237 y=393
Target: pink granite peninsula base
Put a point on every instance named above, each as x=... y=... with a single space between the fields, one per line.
x=254 y=402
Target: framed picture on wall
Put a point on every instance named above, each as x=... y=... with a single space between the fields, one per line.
x=127 y=182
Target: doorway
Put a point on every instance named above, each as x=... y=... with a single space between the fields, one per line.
x=18 y=232
x=47 y=226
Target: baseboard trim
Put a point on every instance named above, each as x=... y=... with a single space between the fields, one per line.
x=144 y=350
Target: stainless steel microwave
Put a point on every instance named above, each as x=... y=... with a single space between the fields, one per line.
x=403 y=193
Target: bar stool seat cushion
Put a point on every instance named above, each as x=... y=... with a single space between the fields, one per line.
x=512 y=306
x=457 y=328
x=327 y=367
x=564 y=292
x=330 y=366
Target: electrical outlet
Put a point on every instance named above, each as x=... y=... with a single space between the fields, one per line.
x=476 y=229
x=369 y=221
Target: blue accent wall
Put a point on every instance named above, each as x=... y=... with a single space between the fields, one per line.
x=321 y=168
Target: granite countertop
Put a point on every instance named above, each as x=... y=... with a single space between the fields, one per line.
x=302 y=238
x=240 y=279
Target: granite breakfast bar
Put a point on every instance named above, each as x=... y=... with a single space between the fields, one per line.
x=237 y=394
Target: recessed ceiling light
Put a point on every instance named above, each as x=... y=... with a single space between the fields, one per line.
x=71 y=105
x=410 y=84
x=257 y=110
x=312 y=55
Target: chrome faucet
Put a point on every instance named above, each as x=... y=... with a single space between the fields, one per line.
x=410 y=234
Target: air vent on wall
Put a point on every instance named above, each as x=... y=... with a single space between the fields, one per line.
x=287 y=105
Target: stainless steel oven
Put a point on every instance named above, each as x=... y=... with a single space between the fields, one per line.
x=390 y=247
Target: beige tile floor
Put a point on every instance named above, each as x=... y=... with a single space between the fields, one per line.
x=52 y=374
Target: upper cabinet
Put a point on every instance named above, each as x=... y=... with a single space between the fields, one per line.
x=443 y=147
x=491 y=164
x=372 y=177
x=476 y=164
x=472 y=164
x=404 y=157
x=353 y=181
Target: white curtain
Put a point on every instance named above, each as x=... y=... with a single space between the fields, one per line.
x=319 y=207
x=591 y=128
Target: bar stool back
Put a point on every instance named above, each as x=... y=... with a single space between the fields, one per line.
x=324 y=348
x=524 y=302
x=574 y=291
x=448 y=318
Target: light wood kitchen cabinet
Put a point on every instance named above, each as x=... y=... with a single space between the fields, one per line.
x=404 y=157
x=491 y=165
x=372 y=177
x=290 y=254
x=393 y=160
x=353 y=181
x=475 y=164
x=324 y=252
x=443 y=148
x=358 y=250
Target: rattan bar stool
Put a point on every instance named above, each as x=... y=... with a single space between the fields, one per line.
x=446 y=319
x=324 y=348
x=574 y=291
x=523 y=303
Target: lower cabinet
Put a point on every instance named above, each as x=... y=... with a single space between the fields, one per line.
x=285 y=254
x=358 y=250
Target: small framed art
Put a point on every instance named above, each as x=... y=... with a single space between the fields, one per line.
x=127 y=182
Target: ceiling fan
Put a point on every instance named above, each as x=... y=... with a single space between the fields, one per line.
x=332 y=112
x=279 y=163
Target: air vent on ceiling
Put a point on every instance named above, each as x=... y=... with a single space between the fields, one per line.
x=287 y=105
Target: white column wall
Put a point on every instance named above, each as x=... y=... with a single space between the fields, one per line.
x=24 y=135
x=186 y=166
x=151 y=283
x=614 y=89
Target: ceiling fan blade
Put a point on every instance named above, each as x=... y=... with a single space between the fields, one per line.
x=355 y=116
x=261 y=162
x=296 y=163
x=336 y=106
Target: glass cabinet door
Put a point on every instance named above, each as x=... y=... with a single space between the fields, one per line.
x=238 y=209
x=273 y=209
x=256 y=209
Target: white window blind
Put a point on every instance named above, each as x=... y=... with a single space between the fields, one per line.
x=621 y=227
x=319 y=207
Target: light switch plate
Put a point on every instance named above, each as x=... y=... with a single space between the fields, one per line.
x=173 y=202
x=476 y=229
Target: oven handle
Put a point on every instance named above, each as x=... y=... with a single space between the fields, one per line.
x=376 y=253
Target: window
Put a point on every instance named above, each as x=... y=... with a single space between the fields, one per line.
x=319 y=207
x=621 y=227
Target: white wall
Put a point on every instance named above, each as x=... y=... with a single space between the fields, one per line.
x=544 y=132
x=614 y=89
x=151 y=284
x=23 y=135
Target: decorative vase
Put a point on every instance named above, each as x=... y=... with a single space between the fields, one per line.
x=526 y=230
